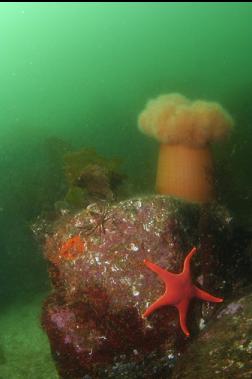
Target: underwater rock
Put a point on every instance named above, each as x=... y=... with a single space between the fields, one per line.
x=102 y=287
x=224 y=350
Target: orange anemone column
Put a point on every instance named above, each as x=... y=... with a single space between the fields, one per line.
x=185 y=172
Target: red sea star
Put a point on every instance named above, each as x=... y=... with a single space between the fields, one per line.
x=179 y=290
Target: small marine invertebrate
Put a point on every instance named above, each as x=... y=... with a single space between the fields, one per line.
x=99 y=214
x=179 y=290
x=72 y=248
x=185 y=130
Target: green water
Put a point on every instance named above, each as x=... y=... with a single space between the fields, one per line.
x=81 y=73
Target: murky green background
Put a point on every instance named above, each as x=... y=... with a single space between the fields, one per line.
x=81 y=73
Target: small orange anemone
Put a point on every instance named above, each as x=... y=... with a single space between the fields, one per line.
x=72 y=248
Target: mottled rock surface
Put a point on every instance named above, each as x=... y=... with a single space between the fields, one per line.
x=224 y=350
x=101 y=286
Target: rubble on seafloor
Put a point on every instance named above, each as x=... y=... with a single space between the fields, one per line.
x=101 y=287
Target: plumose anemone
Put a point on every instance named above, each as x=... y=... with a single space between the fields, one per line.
x=185 y=130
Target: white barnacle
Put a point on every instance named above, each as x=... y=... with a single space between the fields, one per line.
x=134 y=247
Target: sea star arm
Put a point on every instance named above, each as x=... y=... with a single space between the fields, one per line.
x=187 y=261
x=203 y=295
x=182 y=308
x=157 y=304
x=163 y=274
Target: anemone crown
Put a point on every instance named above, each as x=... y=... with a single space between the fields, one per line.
x=174 y=119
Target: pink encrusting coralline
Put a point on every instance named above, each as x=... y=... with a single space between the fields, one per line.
x=102 y=287
x=185 y=130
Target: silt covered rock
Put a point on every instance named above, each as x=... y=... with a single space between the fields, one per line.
x=224 y=350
